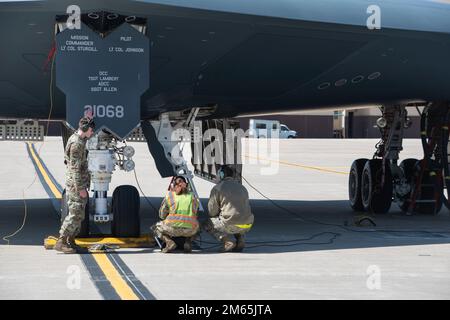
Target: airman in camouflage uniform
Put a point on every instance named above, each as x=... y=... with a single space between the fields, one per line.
x=77 y=184
x=229 y=211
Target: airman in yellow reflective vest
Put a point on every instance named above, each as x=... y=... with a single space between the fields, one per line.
x=178 y=213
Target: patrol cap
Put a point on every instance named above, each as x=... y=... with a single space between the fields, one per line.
x=86 y=123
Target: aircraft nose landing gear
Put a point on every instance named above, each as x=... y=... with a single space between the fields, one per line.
x=122 y=212
x=416 y=185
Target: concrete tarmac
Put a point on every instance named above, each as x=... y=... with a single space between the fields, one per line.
x=296 y=249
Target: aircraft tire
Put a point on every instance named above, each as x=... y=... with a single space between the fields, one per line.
x=374 y=198
x=125 y=208
x=407 y=167
x=354 y=184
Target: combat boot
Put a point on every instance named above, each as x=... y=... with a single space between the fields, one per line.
x=228 y=245
x=63 y=246
x=240 y=243
x=73 y=244
x=170 y=244
x=188 y=245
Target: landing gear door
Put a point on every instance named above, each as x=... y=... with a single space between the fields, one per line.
x=103 y=76
x=215 y=143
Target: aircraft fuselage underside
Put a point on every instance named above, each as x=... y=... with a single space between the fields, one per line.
x=241 y=63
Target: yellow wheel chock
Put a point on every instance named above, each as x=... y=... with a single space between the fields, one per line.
x=106 y=243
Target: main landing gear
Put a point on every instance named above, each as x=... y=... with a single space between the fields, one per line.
x=417 y=186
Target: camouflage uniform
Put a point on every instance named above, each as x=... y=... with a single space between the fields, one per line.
x=229 y=210
x=77 y=179
x=163 y=228
x=219 y=229
x=160 y=229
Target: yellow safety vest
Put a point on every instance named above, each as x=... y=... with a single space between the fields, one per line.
x=182 y=210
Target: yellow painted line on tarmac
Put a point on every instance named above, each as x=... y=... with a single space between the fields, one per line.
x=47 y=179
x=299 y=165
x=118 y=283
x=111 y=273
